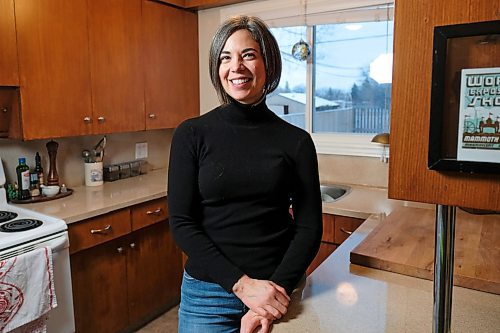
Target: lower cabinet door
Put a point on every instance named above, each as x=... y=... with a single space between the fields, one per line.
x=154 y=272
x=100 y=288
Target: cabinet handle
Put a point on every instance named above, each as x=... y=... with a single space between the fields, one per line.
x=101 y=119
x=132 y=245
x=4 y=110
x=152 y=116
x=101 y=231
x=157 y=211
x=87 y=120
x=346 y=231
x=120 y=250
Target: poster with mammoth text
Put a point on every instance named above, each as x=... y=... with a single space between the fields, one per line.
x=479 y=119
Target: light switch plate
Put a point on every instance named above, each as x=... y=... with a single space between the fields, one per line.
x=141 y=150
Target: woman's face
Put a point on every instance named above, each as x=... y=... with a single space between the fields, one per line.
x=242 y=70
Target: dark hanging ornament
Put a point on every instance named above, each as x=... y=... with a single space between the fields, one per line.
x=301 y=50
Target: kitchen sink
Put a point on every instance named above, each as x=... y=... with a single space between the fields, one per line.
x=332 y=193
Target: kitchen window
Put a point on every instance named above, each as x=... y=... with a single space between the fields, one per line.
x=341 y=93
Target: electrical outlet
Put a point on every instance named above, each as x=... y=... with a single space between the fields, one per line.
x=141 y=150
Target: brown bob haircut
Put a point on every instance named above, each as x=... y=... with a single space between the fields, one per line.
x=268 y=47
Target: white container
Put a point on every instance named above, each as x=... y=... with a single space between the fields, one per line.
x=93 y=174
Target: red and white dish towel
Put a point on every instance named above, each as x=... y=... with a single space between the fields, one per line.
x=26 y=292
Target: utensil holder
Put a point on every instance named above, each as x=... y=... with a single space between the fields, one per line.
x=93 y=174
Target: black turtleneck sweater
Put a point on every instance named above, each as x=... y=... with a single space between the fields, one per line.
x=233 y=173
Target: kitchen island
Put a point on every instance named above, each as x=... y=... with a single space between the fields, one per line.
x=337 y=296
x=342 y=297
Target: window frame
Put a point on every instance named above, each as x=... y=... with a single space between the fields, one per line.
x=283 y=13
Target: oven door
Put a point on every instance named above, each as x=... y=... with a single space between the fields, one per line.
x=61 y=319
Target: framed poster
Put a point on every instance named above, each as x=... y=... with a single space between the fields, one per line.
x=465 y=98
x=479 y=117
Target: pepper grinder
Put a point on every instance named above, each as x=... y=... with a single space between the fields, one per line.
x=52 y=177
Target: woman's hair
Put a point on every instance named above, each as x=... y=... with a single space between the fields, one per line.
x=268 y=46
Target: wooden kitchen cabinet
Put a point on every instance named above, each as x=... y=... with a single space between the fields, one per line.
x=344 y=227
x=154 y=272
x=99 y=278
x=124 y=279
x=98 y=66
x=54 y=69
x=116 y=66
x=170 y=37
x=9 y=75
x=336 y=229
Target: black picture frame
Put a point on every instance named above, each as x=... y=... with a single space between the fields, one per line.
x=452 y=49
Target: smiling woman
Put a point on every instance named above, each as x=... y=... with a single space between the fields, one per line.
x=242 y=71
x=233 y=173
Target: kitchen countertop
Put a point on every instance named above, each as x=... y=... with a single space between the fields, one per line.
x=87 y=202
x=342 y=297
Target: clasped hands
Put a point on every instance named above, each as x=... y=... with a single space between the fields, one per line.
x=266 y=300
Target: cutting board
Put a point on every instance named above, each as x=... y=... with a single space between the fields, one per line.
x=404 y=243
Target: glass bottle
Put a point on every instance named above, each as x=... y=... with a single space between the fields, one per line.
x=34 y=185
x=39 y=169
x=23 y=179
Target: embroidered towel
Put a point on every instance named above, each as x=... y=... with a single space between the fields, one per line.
x=26 y=291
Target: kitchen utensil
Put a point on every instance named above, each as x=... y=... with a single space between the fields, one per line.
x=86 y=156
x=98 y=150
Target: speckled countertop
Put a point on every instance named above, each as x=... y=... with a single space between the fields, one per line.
x=86 y=202
x=344 y=298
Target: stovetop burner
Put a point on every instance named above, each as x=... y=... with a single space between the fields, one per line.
x=20 y=225
x=7 y=216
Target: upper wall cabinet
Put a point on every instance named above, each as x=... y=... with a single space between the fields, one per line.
x=101 y=66
x=116 y=65
x=54 y=67
x=171 y=64
x=8 y=56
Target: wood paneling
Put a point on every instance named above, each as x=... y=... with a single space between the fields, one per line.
x=8 y=47
x=204 y=4
x=154 y=272
x=170 y=64
x=99 y=229
x=328 y=228
x=132 y=276
x=149 y=213
x=116 y=65
x=344 y=227
x=54 y=69
x=409 y=177
x=99 y=279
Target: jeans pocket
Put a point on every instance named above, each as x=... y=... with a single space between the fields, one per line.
x=189 y=277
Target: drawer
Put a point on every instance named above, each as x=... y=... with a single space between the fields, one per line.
x=344 y=226
x=149 y=213
x=97 y=230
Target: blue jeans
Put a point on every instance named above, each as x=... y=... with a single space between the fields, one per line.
x=208 y=308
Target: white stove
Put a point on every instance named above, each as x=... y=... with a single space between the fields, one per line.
x=23 y=230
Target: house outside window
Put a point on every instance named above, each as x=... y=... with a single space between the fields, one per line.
x=342 y=93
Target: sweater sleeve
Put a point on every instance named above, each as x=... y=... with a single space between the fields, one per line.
x=184 y=209
x=307 y=211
